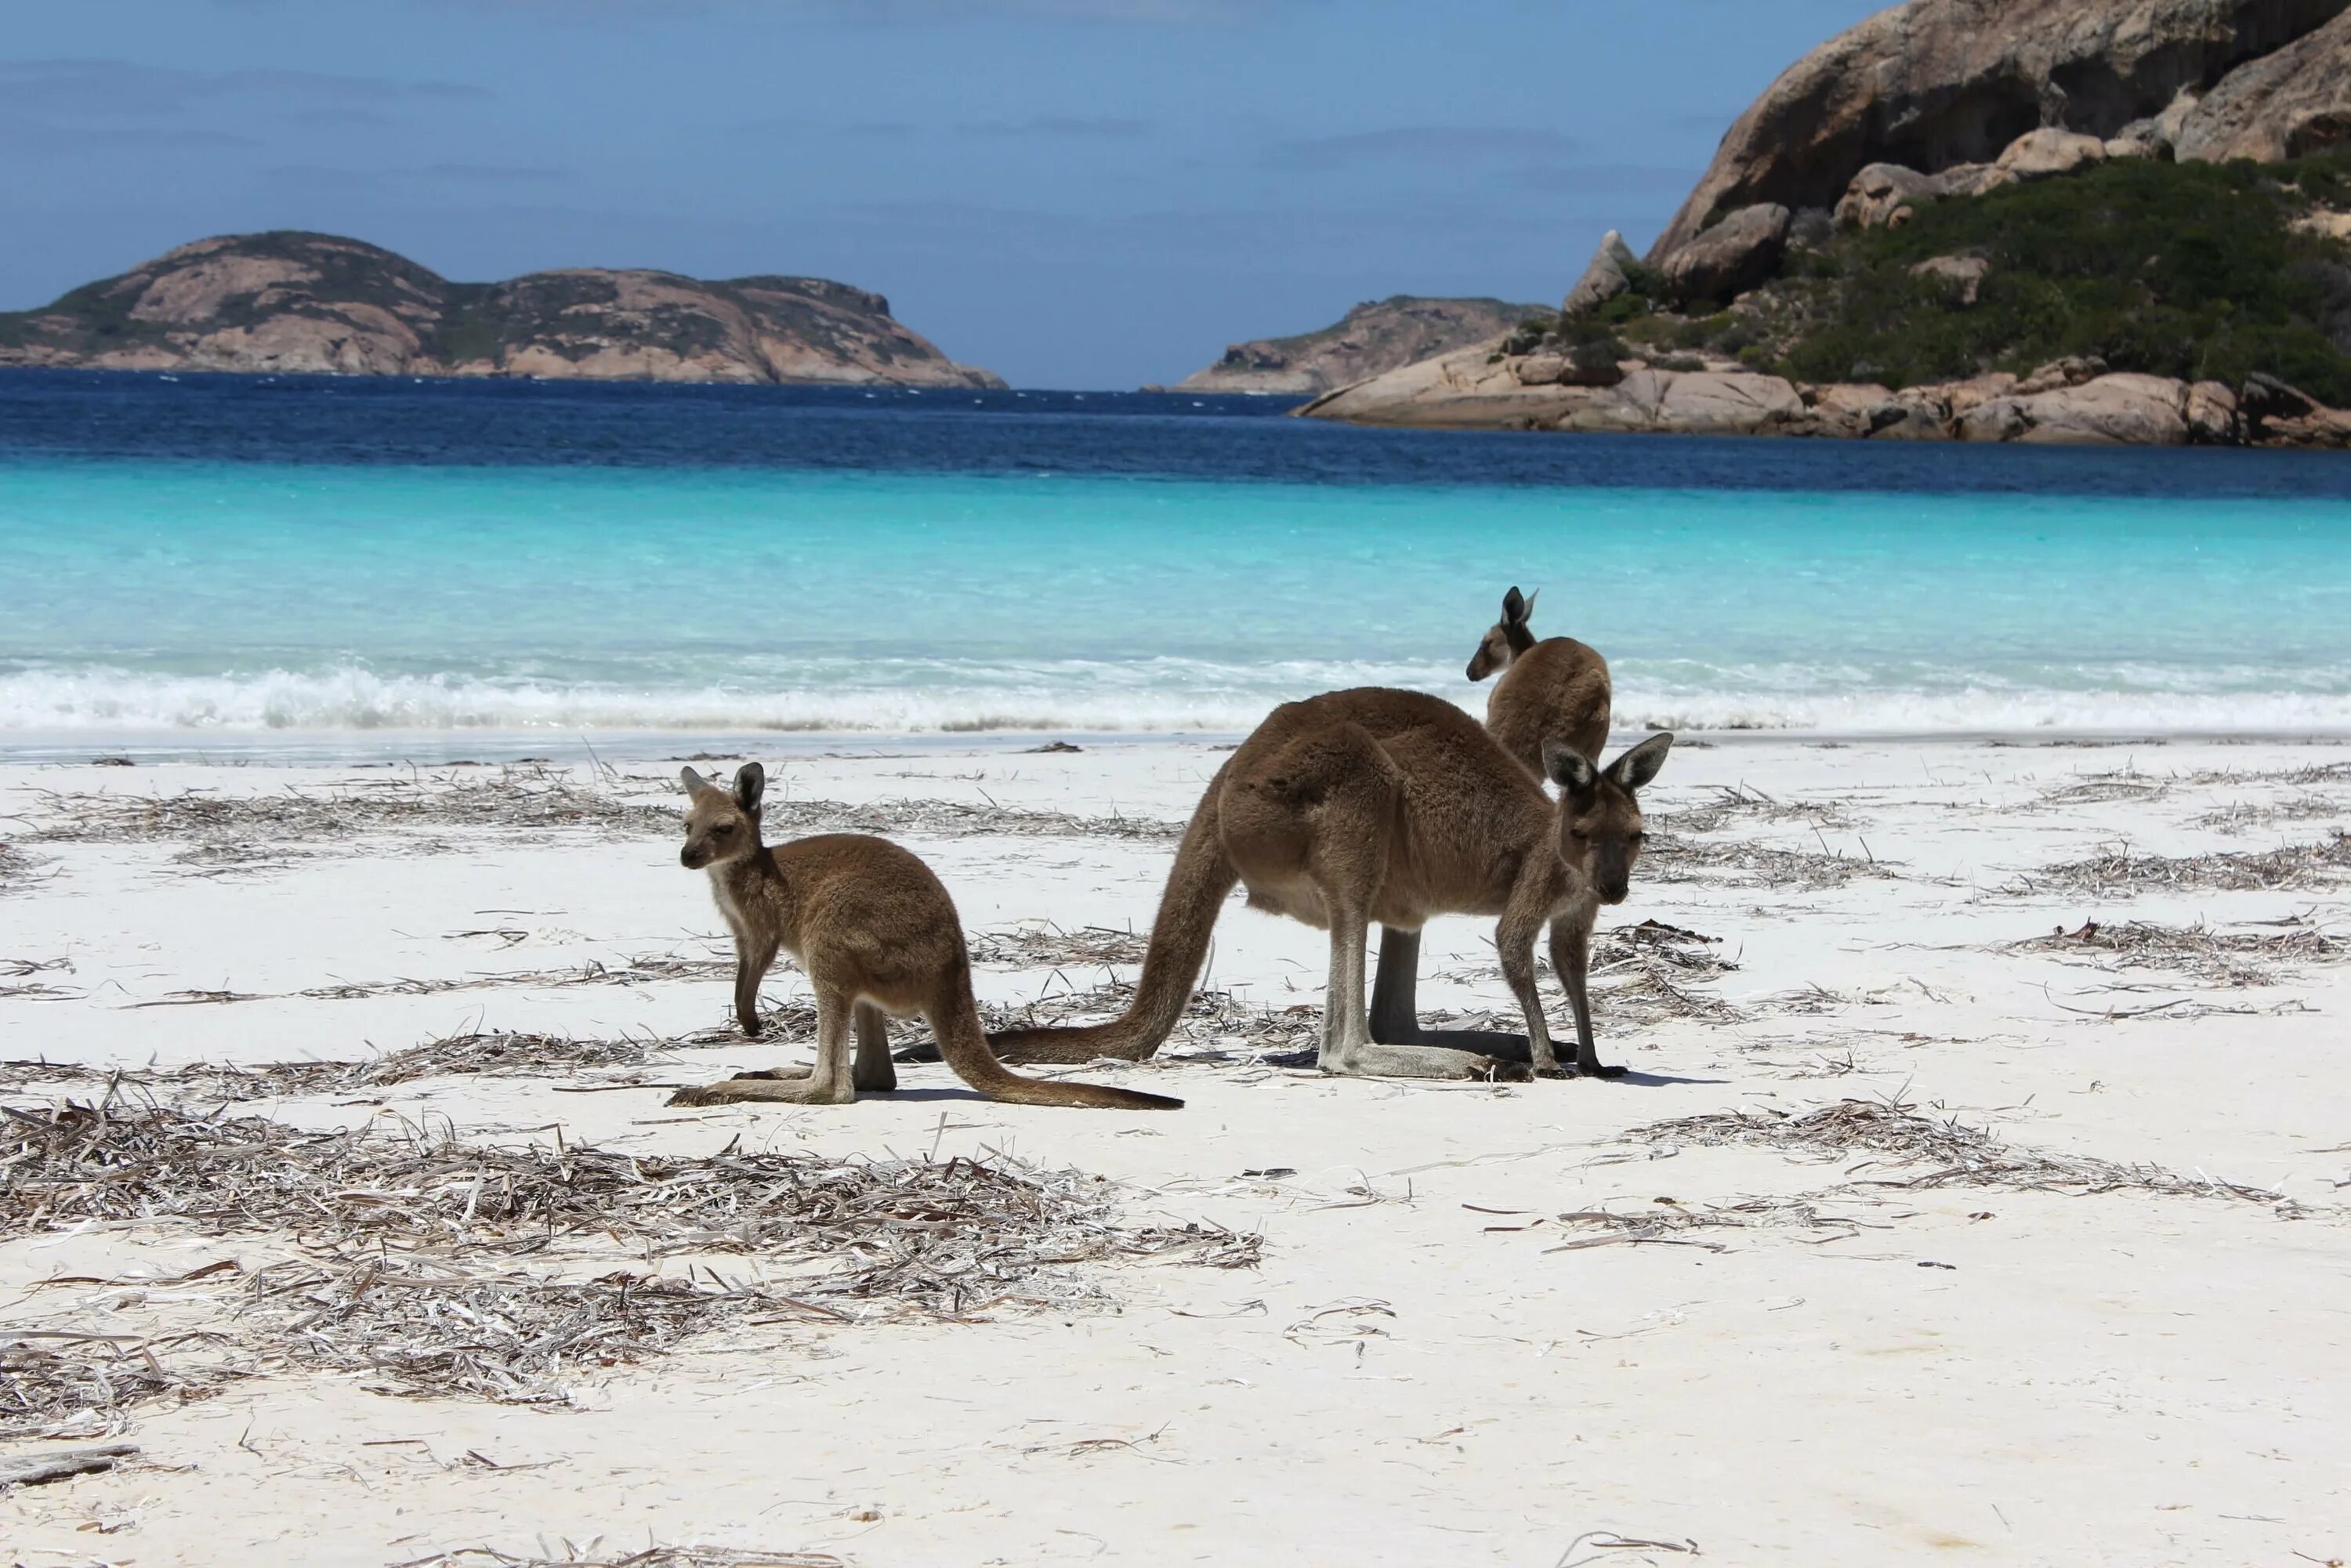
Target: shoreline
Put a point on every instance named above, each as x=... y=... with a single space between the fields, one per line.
x=461 y=747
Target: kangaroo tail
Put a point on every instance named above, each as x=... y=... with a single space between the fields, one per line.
x=1203 y=874
x=954 y=1020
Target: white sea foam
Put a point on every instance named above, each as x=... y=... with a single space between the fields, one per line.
x=1165 y=698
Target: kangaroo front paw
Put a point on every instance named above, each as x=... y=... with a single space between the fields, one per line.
x=1494 y=1070
x=1596 y=1070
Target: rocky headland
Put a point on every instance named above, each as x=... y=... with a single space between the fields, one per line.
x=295 y=302
x=2122 y=221
x=1375 y=336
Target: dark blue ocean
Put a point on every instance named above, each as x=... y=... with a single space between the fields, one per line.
x=308 y=556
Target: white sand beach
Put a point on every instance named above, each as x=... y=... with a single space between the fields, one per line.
x=2070 y=1281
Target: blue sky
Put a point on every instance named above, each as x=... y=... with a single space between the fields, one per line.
x=1071 y=192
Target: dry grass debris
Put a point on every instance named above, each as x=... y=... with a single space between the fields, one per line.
x=19 y=869
x=1731 y=802
x=2242 y=956
x=1671 y=1223
x=59 y=1383
x=1040 y=944
x=953 y=819
x=1874 y=1133
x=1672 y=858
x=231 y=828
x=588 y=1556
x=409 y=1252
x=2117 y=871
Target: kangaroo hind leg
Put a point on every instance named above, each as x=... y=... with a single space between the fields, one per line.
x=1396 y=1010
x=828 y=1084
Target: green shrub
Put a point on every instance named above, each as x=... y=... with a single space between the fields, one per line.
x=2191 y=270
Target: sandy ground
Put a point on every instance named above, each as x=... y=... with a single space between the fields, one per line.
x=1825 y=1359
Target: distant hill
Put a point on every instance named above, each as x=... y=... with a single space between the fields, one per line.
x=291 y=301
x=1371 y=340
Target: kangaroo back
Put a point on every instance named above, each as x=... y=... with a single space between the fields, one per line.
x=1197 y=888
x=1557 y=690
x=963 y=1042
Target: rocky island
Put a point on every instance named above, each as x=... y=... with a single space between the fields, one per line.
x=2120 y=221
x=294 y=302
x=1375 y=336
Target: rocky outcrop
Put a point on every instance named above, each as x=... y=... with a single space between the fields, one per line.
x=1936 y=83
x=2037 y=154
x=1732 y=256
x=2295 y=102
x=294 y=302
x=2074 y=402
x=1884 y=195
x=1371 y=340
x=1603 y=279
x=2122 y=410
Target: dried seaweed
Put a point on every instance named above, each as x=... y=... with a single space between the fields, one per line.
x=954 y=819
x=244 y=829
x=2102 y=789
x=1671 y=858
x=651 y=1557
x=1730 y=803
x=2118 y=871
x=410 y=1249
x=1892 y=1133
x=2241 y=815
x=1671 y=1222
x=1036 y=944
x=19 y=869
x=2232 y=957
x=58 y=1384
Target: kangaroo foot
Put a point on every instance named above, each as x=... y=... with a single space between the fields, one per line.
x=1478 y=1041
x=1425 y=1061
x=764 y=1091
x=778 y=1073
x=1595 y=1070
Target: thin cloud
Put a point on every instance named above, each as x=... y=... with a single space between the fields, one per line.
x=111 y=89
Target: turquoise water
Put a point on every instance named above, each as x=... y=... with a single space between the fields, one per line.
x=256 y=595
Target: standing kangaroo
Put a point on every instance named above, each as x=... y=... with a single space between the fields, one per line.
x=876 y=933
x=1388 y=806
x=1556 y=689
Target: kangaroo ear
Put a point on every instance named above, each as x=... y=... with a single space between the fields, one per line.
x=692 y=780
x=1515 y=606
x=1639 y=766
x=750 y=784
x=1568 y=767
x=1528 y=613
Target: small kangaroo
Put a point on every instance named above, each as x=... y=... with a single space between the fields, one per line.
x=877 y=933
x=1556 y=689
x=1388 y=806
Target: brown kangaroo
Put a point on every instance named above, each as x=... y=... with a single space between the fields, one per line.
x=876 y=933
x=1388 y=806
x=1556 y=689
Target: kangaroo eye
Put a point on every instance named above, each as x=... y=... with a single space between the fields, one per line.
x=722 y=829
x=1579 y=835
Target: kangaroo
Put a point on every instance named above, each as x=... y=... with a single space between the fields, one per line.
x=1556 y=689
x=1388 y=806
x=877 y=933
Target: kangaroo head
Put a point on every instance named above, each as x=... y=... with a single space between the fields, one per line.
x=721 y=824
x=1599 y=815
x=1506 y=638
